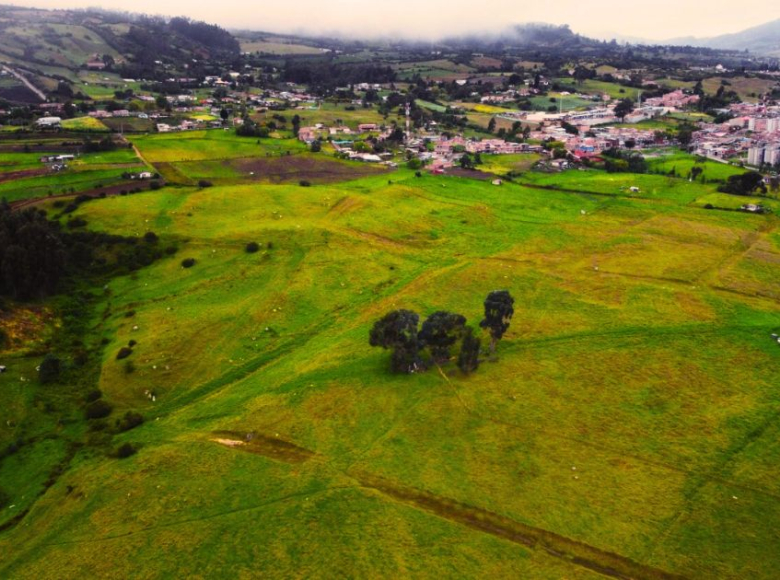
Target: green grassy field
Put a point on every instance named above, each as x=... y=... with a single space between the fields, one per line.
x=10 y=162
x=503 y=164
x=596 y=87
x=59 y=183
x=570 y=103
x=209 y=145
x=682 y=163
x=746 y=87
x=329 y=114
x=85 y=124
x=86 y=172
x=431 y=106
x=632 y=408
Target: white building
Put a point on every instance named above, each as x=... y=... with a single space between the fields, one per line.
x=755 y=156
x=48 y=122
x=772 y=156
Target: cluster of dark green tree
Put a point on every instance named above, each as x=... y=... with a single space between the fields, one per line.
x=744 y=184
x=624 y=161
x=251 y=129
x=417 y=349
x=36 y=255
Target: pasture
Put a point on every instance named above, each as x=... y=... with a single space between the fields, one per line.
x=682 y=163
x=629 y=422
x=287 y=169
x=329 y=114
x=88 y=124
x=560 y=102
x=86 y=172
x=210 y=145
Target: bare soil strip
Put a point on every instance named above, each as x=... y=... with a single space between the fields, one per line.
x=271 y=447
x=595 y=559
x=12 y=175
x=572 y=551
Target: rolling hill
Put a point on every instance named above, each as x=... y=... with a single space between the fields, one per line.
x=62 y=46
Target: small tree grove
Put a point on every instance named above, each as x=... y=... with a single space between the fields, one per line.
x=443 y=337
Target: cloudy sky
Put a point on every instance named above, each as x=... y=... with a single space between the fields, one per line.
x=657 y=19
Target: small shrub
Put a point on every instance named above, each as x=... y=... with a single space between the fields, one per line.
x=151 y=238
x=49 y=371
x=304 y=183
x=123 y=353
x=188 y=263
x=171 y=250
x=709 y=206
x=125 y=450
x=80 y=357
x=204 y=183
x=99 y=409
x=129 y=313
x=155 y=185
x=252 y=247
x=93 y=396
x=132 y=343
x=77 y=223
x=131 y=420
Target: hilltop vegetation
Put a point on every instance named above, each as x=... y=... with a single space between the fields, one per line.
x=54 y=47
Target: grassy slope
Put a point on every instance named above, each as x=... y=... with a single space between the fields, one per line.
x=639 y=355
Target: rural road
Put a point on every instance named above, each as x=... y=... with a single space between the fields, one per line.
x=27 y=83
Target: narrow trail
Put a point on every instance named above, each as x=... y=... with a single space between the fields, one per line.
x=574 y=552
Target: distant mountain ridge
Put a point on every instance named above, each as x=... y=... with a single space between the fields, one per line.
x=763 y=40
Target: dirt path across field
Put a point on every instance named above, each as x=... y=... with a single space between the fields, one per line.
x=572 y=551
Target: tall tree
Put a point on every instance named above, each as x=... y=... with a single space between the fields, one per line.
x=468 y=359
x=499 y=308
x=623 y=108
x=467 y=161
x=397 y=330
x=440 y=331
